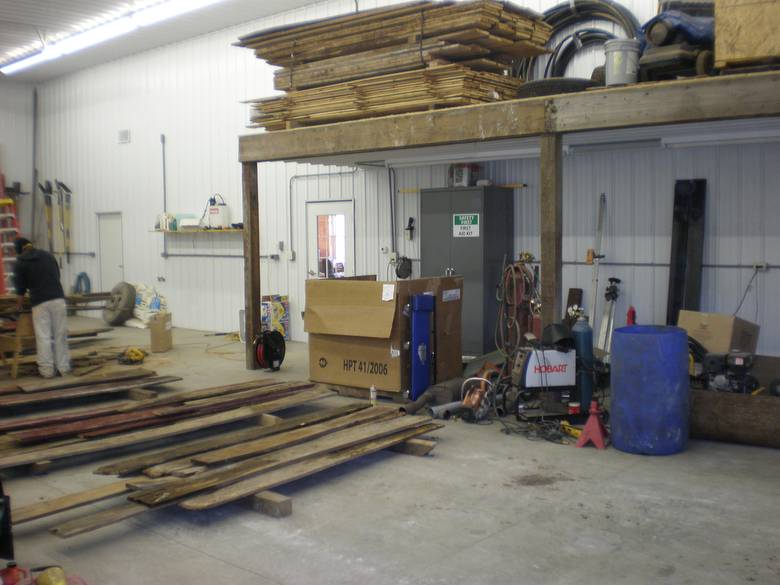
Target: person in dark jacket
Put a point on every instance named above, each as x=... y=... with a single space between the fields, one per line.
x=37 y=271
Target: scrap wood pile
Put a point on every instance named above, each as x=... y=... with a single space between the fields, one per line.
x=406 y=58
x=206 y=472
x=76 y=302
x=96 y=429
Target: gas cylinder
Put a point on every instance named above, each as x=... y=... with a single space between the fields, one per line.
x=583 y=344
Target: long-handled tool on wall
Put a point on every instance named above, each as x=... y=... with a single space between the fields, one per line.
x=48 y=196
x=64 y=197
x=595 y=255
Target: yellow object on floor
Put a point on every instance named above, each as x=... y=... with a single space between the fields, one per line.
x=570 y=430
x=52 y=576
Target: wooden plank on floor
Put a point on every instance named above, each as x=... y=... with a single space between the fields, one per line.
x=29 y=399
x=237 y=471
x=148 y=460
x=242 y=489
x=109 y=376
x=26 y=457
x=99 y=519
x=293 y=437
x=275 y=478
x=68 y=502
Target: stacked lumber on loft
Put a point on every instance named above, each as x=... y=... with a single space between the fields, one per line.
x=394 y=46
x=203 y=473
x=446 y=85
x=98 y=429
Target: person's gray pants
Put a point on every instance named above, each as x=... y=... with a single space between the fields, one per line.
x=50 y=321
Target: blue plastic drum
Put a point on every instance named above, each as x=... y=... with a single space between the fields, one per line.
x=650 y=389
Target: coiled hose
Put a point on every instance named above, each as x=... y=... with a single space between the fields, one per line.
x=576 y=12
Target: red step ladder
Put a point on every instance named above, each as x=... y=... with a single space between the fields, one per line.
x=9 y=231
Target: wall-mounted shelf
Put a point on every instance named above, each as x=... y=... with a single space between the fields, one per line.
x=200 y=231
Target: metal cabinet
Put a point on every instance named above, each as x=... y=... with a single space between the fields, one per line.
x=468 y=231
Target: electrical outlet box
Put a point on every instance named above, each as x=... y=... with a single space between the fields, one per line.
x=291 y=255
x=393 y=257
x=760 y=266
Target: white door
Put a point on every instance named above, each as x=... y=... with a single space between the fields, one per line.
x=111 y=251
x=330 y=237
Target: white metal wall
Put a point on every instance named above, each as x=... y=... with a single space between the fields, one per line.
x=191 y=92
x=16 y=133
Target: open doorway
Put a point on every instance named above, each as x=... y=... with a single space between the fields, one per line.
x=330 y=235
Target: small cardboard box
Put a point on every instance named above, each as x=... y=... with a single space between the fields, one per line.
x=720 y=333
x=358 y=330
x=161 y=330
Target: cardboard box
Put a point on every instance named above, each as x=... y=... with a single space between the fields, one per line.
x=161 y=330
x=358 y=331
x=746 y=32
x=720 y=333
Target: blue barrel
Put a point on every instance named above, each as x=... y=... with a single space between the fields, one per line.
x=650 y=385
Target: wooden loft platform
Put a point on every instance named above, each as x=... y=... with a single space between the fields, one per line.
x=647 y=104
x=731 y=97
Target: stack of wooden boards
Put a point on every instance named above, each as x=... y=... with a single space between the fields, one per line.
x=746 y=33
x=43 y=438
x=202 y=473
x=405 y=58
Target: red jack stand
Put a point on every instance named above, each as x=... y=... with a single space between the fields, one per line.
x=594 y=431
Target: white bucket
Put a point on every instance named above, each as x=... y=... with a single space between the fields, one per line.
x=622 y=64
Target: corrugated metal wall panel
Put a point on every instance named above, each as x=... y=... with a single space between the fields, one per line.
x=16 y=144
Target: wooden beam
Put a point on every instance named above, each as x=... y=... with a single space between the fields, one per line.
x=668 y=102
x=509 y=119
x=270 y=503
x=251 y=260
x=551 y=211
x=645 y=104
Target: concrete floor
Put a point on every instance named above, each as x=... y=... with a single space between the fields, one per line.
x=483 y=508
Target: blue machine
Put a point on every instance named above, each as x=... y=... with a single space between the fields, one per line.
x=422 y=313
x=649 y=409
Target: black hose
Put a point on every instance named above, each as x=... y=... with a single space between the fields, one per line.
x=570 y=45
x=579 y=12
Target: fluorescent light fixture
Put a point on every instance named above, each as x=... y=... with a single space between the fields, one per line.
x=756 y=137
x=456 y=157
x=95 y=36
x=107 y=31
x=600 y=146
x=170 y=9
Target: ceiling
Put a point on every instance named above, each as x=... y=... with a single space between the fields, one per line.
x=25 y=23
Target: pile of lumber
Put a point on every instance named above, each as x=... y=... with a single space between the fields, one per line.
x=76 y=302
x=446 y=85
x=482 y=37
x=43 y=438
x=206 y=472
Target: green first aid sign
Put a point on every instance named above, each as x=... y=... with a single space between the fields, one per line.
x=465 y=225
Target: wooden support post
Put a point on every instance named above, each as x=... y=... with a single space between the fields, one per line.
x=417 y=447
x=40 y=467
x=251 y=260
x=141 y=394
x=270 y=503
x=551 y=171
x=267 y=419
